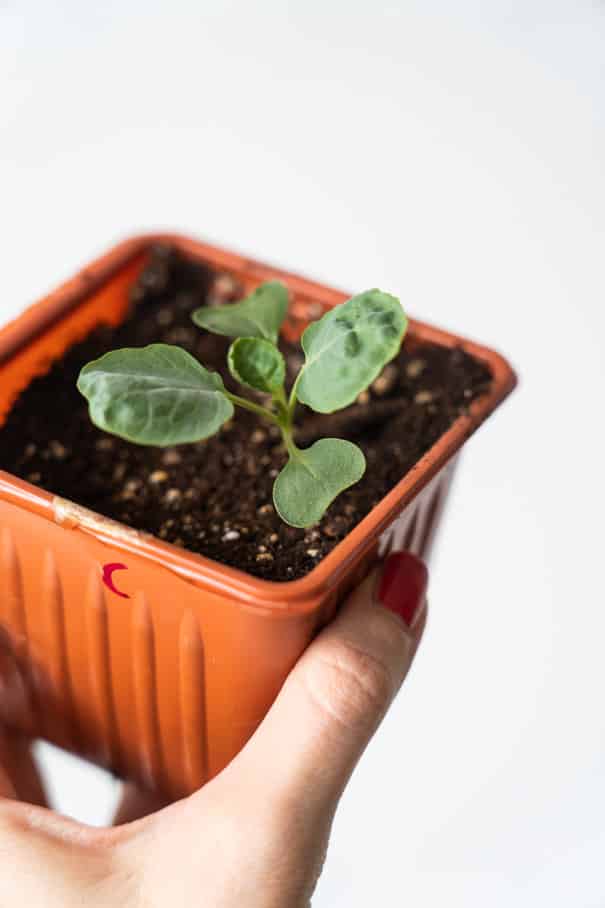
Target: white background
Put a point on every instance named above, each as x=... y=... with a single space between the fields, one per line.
x=452 y=153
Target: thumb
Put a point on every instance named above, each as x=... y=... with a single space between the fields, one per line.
x=335 y=697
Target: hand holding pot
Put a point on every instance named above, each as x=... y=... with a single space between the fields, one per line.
x=257 y=834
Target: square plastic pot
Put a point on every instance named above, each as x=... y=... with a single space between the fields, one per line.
x=164 y=681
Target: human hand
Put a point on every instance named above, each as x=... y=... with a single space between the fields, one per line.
x=256 y=835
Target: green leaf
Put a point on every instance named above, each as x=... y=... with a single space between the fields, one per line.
x=313 y=478
x=156 y=395
x=255 y=362
x=347 y=348
x=258 y=315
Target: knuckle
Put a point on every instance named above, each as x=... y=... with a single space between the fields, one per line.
x=350 y=685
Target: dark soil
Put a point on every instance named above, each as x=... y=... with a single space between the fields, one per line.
x=214 y=497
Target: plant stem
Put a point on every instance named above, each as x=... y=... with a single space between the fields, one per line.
x=289 y=442
x=254 y=408
x=292 y=400
x=280 y=396
x=281 y=406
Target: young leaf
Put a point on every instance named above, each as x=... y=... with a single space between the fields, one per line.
x=257 y=363
x=258 y=315
x=155 y=395
x=313 y=478
x=347 y=348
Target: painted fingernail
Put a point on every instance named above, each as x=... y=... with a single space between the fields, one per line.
x=403 y=585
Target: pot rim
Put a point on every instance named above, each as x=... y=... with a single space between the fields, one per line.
x=276 y=596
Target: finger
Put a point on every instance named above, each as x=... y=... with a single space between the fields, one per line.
x=136 y=803
x=337 y=694
x=19 y=776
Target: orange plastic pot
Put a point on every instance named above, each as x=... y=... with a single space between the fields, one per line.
x=163 y=674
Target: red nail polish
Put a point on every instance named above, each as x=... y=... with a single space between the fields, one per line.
x=403 y=585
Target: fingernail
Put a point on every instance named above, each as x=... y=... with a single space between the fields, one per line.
x=403 y=585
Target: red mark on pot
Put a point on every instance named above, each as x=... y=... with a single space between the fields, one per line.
x=108 y=570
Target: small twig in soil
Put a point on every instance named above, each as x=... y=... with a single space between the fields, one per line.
x=348 y=423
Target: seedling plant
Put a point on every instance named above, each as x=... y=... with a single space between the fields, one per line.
x=161 y=395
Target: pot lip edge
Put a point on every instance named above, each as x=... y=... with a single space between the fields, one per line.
x=290 y=596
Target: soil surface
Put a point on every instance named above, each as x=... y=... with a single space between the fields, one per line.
x=214 y=497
